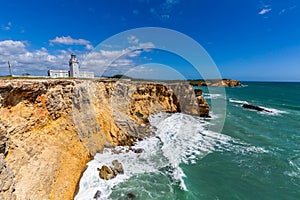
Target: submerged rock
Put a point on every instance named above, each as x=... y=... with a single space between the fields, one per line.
x=139 y=150
x=131 y=195
x=257 y=108
x=97 y=195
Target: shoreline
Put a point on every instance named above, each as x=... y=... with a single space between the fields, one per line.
x=52 y=115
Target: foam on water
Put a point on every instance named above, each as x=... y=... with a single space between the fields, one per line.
x=237 y=101
x=180 y=139
x=272 y=111
x=212 y=96
x=295 y=167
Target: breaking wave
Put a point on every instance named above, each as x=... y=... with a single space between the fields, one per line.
x=212 y=96
x=237 y=101
x=179 y=139
x=271 y=111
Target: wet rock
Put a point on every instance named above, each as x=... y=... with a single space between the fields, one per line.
x=117 y=167
x=139 y=150
x=106 y=173
x=257 y=108
x=97 y=195
x=203 y=106
x=131 y=195
x=198 y=92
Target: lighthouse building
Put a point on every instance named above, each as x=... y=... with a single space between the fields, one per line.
x=73 y=72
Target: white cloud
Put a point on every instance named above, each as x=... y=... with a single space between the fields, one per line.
x=23 y=60
x=8 y=47
x=132 y=40
x=282 y=11
x=37 y=62
x=264 y=11
x=164 y=10
x=110 y=62
x=89 y=47
x=7 y=27
x=68 y=40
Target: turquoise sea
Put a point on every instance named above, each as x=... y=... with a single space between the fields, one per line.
x=255 y=156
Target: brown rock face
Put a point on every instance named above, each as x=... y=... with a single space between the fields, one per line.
x=217 y=83
x=49 y=129
x=117 y=167
x=106 y=173
x=7 y=184
x=227 y=83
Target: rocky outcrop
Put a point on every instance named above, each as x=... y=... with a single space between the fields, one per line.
x=217 y=83
x=50 y=129
x=117 y=167
x=227 y=83
x=108 y=173
x=257 y=108
x=97 y=195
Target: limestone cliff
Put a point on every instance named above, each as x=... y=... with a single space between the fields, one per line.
x=227 y=83
x=217 y=83
x=50 y=129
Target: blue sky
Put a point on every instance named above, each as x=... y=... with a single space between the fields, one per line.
x=247 y=39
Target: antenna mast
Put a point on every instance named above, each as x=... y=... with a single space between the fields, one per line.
x=9 y=68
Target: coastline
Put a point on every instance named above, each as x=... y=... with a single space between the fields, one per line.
x=43 y=118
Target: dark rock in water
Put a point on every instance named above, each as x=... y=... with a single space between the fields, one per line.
x=106 y=173
x=97 y=195
x=138 y=150
x=130 y=195
x=257 y=108
x=117 y=167
x=198 y=92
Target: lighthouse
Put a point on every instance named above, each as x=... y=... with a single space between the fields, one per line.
x=73 y=72
x=74 y=66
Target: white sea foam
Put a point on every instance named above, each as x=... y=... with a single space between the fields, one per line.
x=295 y=167
x=179 y=139
x=212 y=96
x=237 y=101
x=273 y=111
x=270 y=111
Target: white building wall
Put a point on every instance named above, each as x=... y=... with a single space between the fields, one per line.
x=85 y=74
x=74 y=70
x=58 y=73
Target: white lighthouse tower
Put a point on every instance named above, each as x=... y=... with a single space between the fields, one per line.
x=74 y=66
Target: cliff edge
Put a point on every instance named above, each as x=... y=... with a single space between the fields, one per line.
x=50 y=129
x=217 y=83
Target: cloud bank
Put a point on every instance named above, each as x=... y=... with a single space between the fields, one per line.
x=68 y=40
x=38 y=62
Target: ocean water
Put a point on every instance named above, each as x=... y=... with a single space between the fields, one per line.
x=255 y=156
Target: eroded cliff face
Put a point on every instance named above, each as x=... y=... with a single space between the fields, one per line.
x=227 y=83
x=50 y=129
x=217 y=83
